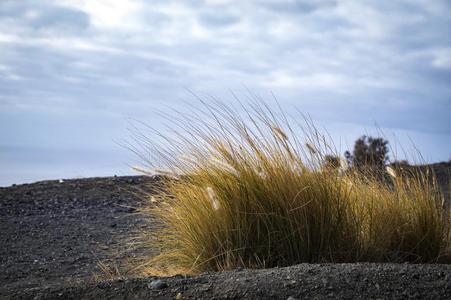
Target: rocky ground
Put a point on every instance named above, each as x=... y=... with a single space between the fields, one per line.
x=305 y=281
x=57 y=235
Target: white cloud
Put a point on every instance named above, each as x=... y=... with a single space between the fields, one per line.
x=109 y=14
x=442 y=58
x=312 y=81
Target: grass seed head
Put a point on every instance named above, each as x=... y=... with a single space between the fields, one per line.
x=390 y=171
x=311 y=148
x=213 y=199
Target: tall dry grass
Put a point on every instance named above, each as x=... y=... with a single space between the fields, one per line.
x=249 y=189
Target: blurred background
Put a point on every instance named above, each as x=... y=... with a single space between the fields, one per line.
x=75 y=73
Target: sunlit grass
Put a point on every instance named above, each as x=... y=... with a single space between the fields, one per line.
x=252 y=189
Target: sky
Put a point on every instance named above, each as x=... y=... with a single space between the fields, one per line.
x=74 y=74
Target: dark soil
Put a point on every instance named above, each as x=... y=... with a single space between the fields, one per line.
x=54 y=234
x=305 y=281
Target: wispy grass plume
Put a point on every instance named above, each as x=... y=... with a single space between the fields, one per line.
x=248 y=191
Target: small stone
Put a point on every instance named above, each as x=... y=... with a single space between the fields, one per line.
x=291 y=298
x=158 y=284
x=179 y=296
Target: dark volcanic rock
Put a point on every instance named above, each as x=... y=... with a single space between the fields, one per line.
x=55 y=233
x=305 y=281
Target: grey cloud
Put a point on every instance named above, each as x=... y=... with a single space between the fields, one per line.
x=61 y=19
x=60 y=80
x=297 y=6
x=41 y=16
x=212 y=18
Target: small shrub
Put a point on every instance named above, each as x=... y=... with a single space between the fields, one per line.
x=369 y=153
x=248 y=192
x=401 y=163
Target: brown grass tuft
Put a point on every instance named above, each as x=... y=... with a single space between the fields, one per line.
x=249 y=193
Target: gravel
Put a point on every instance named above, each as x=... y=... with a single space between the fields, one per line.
x=158 y=284
x=55 y=233
x=305 y=281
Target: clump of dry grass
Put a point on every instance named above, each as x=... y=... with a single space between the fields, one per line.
x=246 y=191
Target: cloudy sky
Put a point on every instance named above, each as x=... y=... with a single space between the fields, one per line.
x=73 y=73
